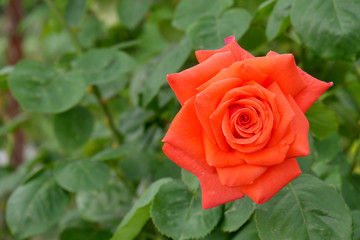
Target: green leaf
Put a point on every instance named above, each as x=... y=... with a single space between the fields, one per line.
x=131 y=12
x=278 y=20
x=35 y=207
x=190 y=181
x=264 y=9
x=210 y=32
x=104 y=65
x=189 y=11
x=329 y=28
x=111 y=202
x=237 y=213
x=83 y=175
x=112 y=153
x=307 y=208
x=177 y=214
x=4 y=73
x=13 y=124
x=85 y=233
x=170 y=62
x=43 y=89
x=74 y=12
x=323 y=121
x=247 y=232
x=356 y=218
x=73 y=128
x=139 y=214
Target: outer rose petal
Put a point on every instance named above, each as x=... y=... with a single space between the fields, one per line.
x=214 y=193
x=312 y=90
x=240 y=175
x=184 y=83
x=185 y=134
x=300 y=146
x=280 y=68
x=274 y=179
x=231 y=45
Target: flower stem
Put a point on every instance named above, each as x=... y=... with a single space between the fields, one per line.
x=95 y=89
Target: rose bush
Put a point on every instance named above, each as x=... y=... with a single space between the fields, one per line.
x=242 y=122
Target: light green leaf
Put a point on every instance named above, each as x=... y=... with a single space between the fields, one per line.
x=110 y=202
x=177 y=214
x=104 y=65
x=278 y=20
x=131 y=12
x=307 y=208
x=264 y=9
x=72 y=128
x=35 y=207
x=139 y=214
x=170 y=62
x=189 y=11
x=83 y=175
x=74 y=12
x=210 y=32
x=13 y=124
x=190 y=181
x=43 y=89
x=330 y=28
x=236 y=213
x=323 y=121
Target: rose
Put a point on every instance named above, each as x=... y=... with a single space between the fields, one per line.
x=242 y=122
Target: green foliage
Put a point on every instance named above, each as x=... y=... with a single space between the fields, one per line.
x=40 y=88
x=328 y=27
x=178 y=214
x=306 y=209
x=94 y=106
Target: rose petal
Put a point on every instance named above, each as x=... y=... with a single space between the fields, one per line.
x=286 y=115
x=274 y=179
x=216 y=157
x=184 y=83
x=240 y=175
x=214 y=193
x=207 y=101
x=312 y=90
x=300 y=146
x=282 y=69
x=237 y=70
x=231 y=45
x=185 y=133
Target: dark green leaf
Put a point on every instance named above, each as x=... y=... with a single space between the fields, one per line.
x=236 y=213
x=35 y=207
x=330 y=28
x=307 y=208
x=43 y=89
x=356 y=218
x=170 y=62
x=72 y=128
x=131 y=12
x=188 y=11
x=104 y=65
x=111 y=202
x=264 y=9
x=85 y=233
x=177 y=214
x=83 y=175
x=323 y=122
x=139 y=214
x=210 y=32
x=190 y=181
x=278 y=21
x=247 y=232
x=74 y=13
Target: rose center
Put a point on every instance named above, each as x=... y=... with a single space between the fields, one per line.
x=244 y=120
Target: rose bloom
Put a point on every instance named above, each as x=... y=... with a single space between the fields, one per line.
x=242 y=122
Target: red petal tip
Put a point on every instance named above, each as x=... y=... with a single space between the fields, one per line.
x=229 y=39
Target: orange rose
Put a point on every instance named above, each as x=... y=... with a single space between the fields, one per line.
x=242 y=122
